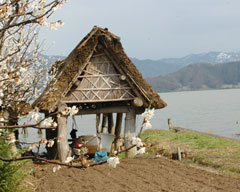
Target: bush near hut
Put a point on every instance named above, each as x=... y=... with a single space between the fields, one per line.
x=11 y=173
x=203 y=150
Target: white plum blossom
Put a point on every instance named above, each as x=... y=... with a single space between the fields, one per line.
x=136 y=141
x=147 y=124
x=74 y=110
x=50 y=143
x=113 y=161
x=1 y=93
x=35 y=6
x=43 y=141
x=11 y=138
x=69 y=159
x=1 y=121
x=47 y=122
x=70 y=110
x=54 y=124
x=35 y=115
x=141 y=150
x=149 y=113
x=23 y=72
x=32 y=146
x=66 y=111
x=53 y=25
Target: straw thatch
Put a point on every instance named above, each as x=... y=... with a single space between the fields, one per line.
x=98 y=41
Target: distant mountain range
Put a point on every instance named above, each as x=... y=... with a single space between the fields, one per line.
x=212 y=70
x=151 y=68
x=199 y=76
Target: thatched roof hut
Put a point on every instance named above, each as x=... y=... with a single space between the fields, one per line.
x=98 y=77
x=92 y=73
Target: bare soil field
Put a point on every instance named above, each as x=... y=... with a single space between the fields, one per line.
x=160 y=174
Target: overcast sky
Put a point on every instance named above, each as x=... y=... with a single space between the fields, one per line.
x=150 y=29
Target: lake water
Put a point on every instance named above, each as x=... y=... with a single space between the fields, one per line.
x=217 y=111
x=212 y=110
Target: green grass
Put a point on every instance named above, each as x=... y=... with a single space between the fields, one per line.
x=203 y=150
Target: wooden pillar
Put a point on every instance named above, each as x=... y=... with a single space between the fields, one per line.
x=118 y=131
x=104 y=123
x=118 y=125
x=130 y=132
x=62 y=147
x=98 y=126
x=111 y=128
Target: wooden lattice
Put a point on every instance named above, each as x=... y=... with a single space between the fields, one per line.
x=99 y=82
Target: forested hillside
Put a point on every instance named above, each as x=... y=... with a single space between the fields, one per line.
x=199 y=76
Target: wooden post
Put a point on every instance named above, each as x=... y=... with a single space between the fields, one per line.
x=130 y=132
x=170 y=124
x=179 y=154
x=104 y=123
x=111 y=128
x=98 y=119
x=62 y=146
x=118 y=130
x=118 y=125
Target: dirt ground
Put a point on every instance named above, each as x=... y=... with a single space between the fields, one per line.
x=159 y=174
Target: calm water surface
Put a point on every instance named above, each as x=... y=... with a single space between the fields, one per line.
x=213 y=110
x=217 y=111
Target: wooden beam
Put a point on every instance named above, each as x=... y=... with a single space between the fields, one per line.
x=98 y=101
x=116 y=109
x=93 y=76
x=130 y=132
x=62 y=146
x=98 y=119
x=103 y=89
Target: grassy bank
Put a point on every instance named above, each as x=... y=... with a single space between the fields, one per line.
x=217 y=153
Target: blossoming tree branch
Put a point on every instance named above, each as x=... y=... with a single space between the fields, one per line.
x=23 y=72
x=21 y=67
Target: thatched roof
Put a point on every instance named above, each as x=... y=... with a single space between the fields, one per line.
x=69 y=70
